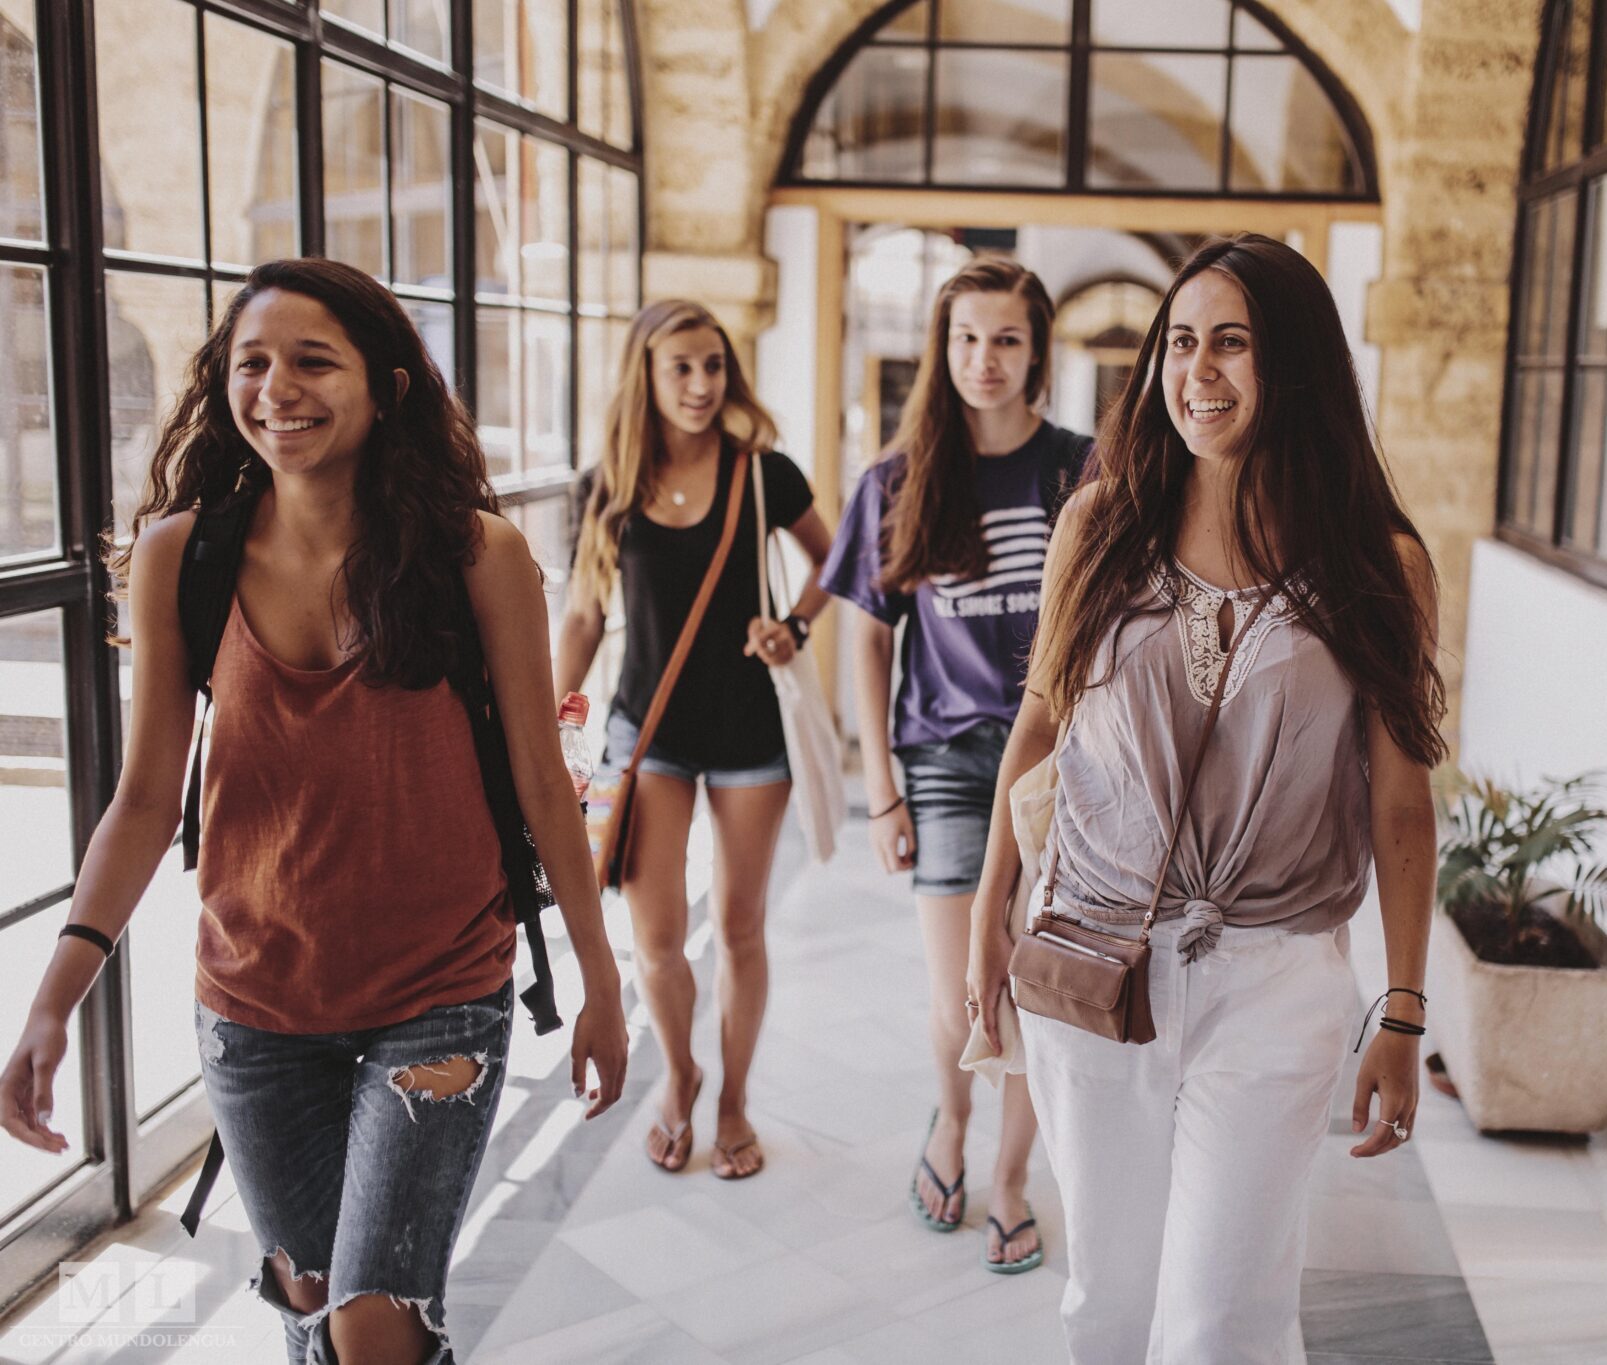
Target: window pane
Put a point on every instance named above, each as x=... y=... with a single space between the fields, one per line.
x=434 y=322
x=1286 y=133
x=497 y=395
x=150 y=144
x=603 y=109
x=624 y=292
x=523 y=389
x=34 y=808
x=522 y=47
x=21 y=196
x=251 y=143
x=1565 y=111
x=27 y=438
x=545 y=523
x=1161 y=23
x=1585 y=497
x=369 y=14
x=522 y=214
x=421 y=191
x=907 y=24
x=546 y=363
x=872 y=124
x=1593 y=296
x=1021 y=21
x=154 y=323
x=1155 y=121
x=1001 y=118
x=424 y=26
x=1547 y=267
x=161 y=949
x=25 y=952
x=599 y=346
x=354 y=138
x=607 y=245
x=1252 y=35
x=1536 y=428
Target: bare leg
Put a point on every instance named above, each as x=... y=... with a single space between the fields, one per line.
x=946 y=933
x=655 y=890
x=747 y=823
x=373 y=1329
x=1008 y=1200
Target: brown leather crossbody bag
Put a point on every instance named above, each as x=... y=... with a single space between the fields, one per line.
x=1090 y=978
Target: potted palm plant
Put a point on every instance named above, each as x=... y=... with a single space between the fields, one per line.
x=1517 y=981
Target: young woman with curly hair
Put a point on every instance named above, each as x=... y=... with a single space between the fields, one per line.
x=681 y=420
x=1241 y=507
x=353 y=976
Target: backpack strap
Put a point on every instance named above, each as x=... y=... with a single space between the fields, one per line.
x=206 y=591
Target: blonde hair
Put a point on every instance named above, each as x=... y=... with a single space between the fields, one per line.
x=633 y=439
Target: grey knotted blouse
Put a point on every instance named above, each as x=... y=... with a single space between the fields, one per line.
x=1277 y=833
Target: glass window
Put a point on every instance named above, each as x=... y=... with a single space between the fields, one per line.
x=28 y=522
x=872 y=124
x=1024 y=21
x=600 y=340
x=143 y=211
x=1161 y=23
x=1545 y=287
x=421 y=191
x=1565 y=112
x=25 y=952
x=434 y=322
x=21 y=193
x=1286 y=135
x=369 y=14
x=624 y=257
x=251 y=144
x=425 y=26
x=521 y=47
x=1251 y=35
x=1000 y=118
x=161 y=948
x=1586 y=527
x=521 y=215
x=524 y=389
x=34 y=809
x=545 y=523
x=608 y=230
x=354 y=168
x=154 y=323
x=603 y=108
x=1155 y=120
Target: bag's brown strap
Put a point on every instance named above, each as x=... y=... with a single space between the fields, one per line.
x=694 y=618
x=1188 y=787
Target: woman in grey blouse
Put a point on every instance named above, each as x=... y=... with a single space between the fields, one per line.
x=1237 y=464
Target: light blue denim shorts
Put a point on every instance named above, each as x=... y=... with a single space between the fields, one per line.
x=949 y=788
x=620 y=742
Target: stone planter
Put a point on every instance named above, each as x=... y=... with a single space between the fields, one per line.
x=1526 y=1047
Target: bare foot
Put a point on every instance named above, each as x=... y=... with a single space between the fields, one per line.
x=669 y=1140
x=1009 y=1207
x=945 y=1152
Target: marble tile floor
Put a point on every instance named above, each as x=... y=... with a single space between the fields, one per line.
x=576 y=1249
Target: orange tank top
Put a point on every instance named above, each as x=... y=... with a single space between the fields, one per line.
x=350 y=874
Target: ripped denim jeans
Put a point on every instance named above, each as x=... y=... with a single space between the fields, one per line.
x=348 y=1162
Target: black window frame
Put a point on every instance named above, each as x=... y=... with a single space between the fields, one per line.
x=1078 y=52
x=1537 y=184
x=111 y=1177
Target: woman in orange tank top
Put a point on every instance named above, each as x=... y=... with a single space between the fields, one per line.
x=353 y=978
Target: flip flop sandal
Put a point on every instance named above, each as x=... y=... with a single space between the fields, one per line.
x=728 y=1155
x=673 y=1136
x=948 y=1191
x=1031 y=1261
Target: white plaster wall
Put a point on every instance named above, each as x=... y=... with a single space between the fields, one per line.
x=1355 y=260
x=1534 y=699
x=785 y=353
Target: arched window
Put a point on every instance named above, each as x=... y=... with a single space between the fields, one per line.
x=1200 y=97
x=1553 y=493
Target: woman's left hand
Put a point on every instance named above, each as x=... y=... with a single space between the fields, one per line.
x=770 y=640
x=1389 y=1068
x=601 y=1039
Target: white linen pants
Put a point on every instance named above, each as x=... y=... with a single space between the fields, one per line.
x=1183 y=1164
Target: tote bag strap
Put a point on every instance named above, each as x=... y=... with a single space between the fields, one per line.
x=1188 y=786
x=694 y=618
x=765 y=613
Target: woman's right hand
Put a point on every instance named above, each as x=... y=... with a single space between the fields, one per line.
x=987 y=977
x=892 y=837
x=27 y=1084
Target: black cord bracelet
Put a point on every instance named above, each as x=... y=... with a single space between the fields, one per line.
x=1393 y=1025
x=888 y=810
x=89 y=935
x=1401 y=1026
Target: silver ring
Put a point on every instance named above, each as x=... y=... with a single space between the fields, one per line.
x=770 y=645
x=1401 y=1131
x=971 y=1004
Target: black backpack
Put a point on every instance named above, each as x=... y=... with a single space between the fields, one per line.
x=206 y=591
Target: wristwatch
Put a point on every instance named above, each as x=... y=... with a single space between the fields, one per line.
x=799 y=628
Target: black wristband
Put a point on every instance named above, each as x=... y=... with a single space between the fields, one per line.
x=799 y=628
x=89 y=935
x=887 y=810
x=1401 y=1026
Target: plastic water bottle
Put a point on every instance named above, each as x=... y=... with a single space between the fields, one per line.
x=572 y=713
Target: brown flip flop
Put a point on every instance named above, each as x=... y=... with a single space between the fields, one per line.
x=674 y=1137
x=730 y=1171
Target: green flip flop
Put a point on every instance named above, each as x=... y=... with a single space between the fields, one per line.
x=948 y=1191
x=1031 y=1261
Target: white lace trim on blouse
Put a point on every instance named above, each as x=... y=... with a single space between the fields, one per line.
x=1199 y=605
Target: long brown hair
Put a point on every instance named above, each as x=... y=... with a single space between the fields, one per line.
x=933 y=522
x=633 y=438
x=421 y=481
x=1310 y=480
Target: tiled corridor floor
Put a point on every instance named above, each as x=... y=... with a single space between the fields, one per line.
x=1458 y=1249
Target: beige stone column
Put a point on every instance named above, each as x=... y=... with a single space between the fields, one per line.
x=1440 y=310
x=739 y=288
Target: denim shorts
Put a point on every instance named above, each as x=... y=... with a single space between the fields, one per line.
x=360 y=1184
x=620 y=742
x=949 y=789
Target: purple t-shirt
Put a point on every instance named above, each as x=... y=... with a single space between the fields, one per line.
x=966 y=643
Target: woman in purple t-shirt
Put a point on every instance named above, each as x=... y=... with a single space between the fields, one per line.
x=947 y=533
